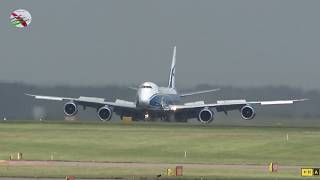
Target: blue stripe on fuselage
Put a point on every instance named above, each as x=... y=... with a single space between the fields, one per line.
x=167 y=99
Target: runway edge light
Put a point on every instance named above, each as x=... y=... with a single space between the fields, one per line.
x=273 y=167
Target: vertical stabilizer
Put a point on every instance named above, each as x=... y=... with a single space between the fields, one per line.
x=172 y=83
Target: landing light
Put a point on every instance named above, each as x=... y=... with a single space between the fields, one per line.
x=173 y=108
x=146 y=116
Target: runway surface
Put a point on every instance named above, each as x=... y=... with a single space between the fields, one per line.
x=142 y=165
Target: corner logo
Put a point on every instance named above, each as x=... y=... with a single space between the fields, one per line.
x=307 y=172
x=20 y=18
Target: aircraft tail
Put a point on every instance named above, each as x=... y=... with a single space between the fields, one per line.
x=171 y=83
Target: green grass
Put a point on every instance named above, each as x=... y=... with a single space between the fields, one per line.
x=159 y=143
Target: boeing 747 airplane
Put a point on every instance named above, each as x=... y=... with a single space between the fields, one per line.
x=153 y=101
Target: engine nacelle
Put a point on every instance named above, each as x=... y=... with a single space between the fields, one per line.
x=105 y=113
x=247 y=112
x=205 y=115
x=70 y=109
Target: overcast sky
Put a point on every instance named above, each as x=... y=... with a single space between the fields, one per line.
x=240 y=43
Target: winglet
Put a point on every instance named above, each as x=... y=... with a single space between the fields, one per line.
x=300 y=100
x=29 y=94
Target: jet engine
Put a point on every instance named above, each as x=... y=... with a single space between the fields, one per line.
x=105 y=113
x=70 y=108
x=247 y=112
x=205 y=115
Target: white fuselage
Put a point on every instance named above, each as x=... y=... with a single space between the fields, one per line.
x=152 y=97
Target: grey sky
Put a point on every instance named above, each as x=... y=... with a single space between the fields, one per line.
x=240 y=43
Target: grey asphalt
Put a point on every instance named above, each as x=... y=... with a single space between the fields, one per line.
x=142 y=165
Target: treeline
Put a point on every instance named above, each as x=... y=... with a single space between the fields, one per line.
x=14 y=104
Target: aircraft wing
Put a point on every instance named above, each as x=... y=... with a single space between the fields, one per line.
x=89 y=101
x=226 y=105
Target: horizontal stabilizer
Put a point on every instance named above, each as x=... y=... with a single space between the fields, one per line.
x=133 y=88
x=198 y=92
x=195 y=103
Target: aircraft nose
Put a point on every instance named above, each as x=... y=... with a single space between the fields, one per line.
x=143 y=101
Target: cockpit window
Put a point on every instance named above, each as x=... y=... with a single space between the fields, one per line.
x=146 y=87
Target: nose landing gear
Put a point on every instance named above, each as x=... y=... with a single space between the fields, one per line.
x=146 y=116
